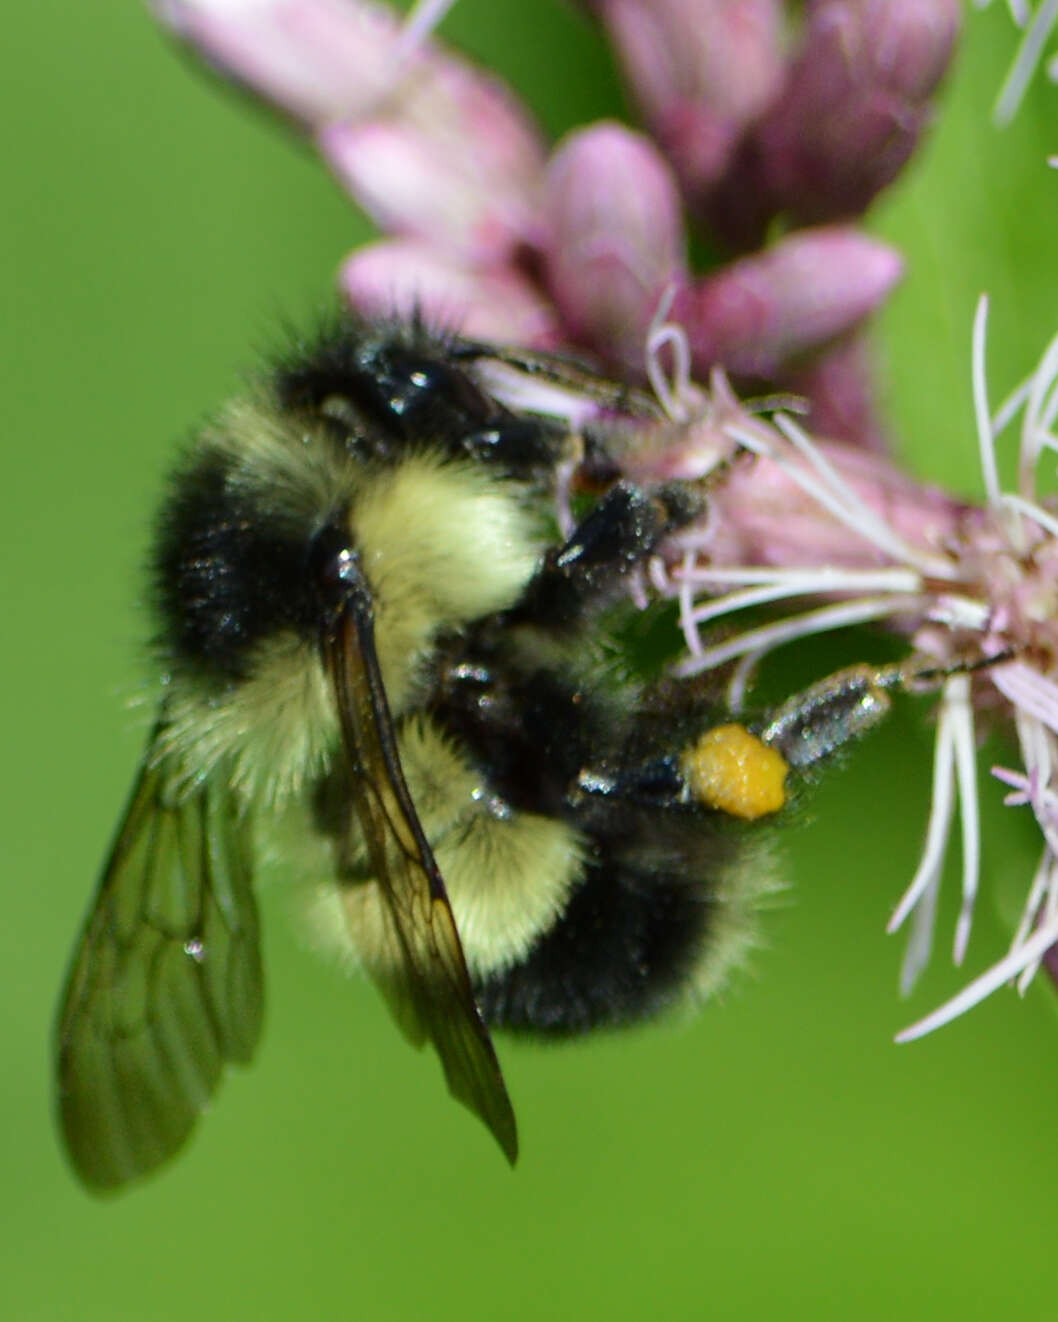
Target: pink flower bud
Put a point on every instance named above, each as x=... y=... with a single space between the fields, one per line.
x=855 y=103
x=615 y=238
x=911 y=43
x=313 y=59
x=851 y=113
x=452 y=159
x=700 y=70
x=400 y=277
x=753 y=316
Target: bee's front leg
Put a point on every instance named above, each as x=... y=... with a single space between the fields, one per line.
x=625 y=527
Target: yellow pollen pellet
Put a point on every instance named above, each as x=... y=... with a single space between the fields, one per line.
x=733 y=771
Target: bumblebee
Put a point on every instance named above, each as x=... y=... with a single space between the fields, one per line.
x=382 y=662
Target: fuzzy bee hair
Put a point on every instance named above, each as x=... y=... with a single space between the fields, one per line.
x=380 y=654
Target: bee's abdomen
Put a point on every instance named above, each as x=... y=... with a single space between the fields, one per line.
x=625 y=947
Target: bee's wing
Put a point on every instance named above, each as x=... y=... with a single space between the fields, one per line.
x=430 y=994
x=165 y=984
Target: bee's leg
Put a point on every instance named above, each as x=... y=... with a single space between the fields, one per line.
x=585 y=574
x=838 y=709
x=812 y=725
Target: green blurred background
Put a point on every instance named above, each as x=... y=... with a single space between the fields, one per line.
x=777 y=1157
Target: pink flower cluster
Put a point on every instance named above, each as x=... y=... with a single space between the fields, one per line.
x=514 y=241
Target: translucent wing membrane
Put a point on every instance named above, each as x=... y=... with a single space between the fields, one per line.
x=430 y=994
x=165 y=986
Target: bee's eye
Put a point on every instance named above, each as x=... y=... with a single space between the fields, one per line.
x=396 y=388
x=416 y=384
